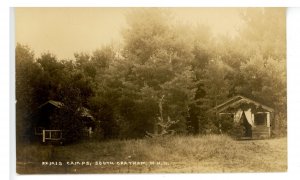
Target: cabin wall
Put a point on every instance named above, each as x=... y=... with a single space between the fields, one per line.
x=260 y=132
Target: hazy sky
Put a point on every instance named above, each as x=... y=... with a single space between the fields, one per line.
x=64 y=31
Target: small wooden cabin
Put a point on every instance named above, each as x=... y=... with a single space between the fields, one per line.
x=254 y=117
x=46 y=124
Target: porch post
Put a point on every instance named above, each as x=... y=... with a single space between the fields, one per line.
x=44 y=135
x=269 y=123
x=268 y=119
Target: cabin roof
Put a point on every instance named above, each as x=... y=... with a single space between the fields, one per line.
x=237 y=100
x=52 y=102
x=85 y=112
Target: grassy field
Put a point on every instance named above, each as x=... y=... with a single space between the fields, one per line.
x=200 y=154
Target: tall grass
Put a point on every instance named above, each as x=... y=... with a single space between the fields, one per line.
x=211 y=153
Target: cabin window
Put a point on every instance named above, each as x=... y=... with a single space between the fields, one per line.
x=260 y=119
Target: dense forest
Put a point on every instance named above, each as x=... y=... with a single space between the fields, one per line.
x=166 y=72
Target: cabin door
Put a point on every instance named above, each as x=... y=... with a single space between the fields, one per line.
x=247 y=126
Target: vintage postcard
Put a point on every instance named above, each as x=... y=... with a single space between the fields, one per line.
x=150 y=90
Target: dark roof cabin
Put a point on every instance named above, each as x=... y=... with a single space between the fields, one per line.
x=254 y=117
x=43 y=116
x=46 y=122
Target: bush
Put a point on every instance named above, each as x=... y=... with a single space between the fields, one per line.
x=227 y=124
x=237 y=131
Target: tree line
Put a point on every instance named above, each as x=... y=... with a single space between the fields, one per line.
x=164 y=70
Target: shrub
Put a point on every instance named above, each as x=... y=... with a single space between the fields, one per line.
x=237 y=130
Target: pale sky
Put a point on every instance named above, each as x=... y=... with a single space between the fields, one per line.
x=64 y=31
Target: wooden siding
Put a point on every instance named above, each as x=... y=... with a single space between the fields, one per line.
x=260 y=132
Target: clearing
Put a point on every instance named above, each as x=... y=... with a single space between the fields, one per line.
x=193 y=154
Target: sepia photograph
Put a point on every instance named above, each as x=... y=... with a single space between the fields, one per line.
x=150 y=90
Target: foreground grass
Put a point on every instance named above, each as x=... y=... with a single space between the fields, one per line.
x=167 y=155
